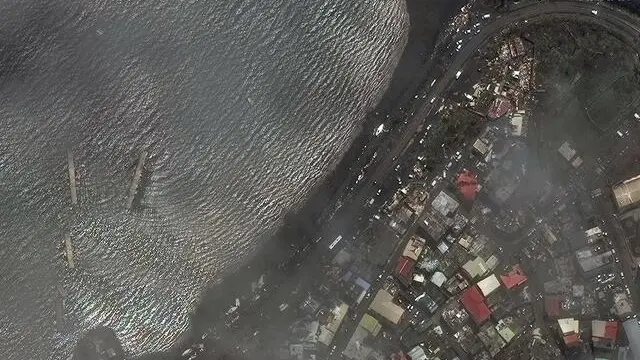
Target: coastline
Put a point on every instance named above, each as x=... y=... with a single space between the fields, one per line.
x=301 y=226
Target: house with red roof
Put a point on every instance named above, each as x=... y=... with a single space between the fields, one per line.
x=467 y=184
x=476 y=304
x=513 y=278
x=404 y=269
x=499 y=108
x=553 y=306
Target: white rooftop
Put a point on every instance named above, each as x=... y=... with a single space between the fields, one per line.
x=489 y=284
x=476 y=267
x=438 y=278
x=444 y=204
x=569 y=325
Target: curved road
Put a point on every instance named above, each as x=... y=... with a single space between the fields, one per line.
x=615 y=19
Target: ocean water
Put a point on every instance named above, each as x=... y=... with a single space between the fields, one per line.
x=243 y=106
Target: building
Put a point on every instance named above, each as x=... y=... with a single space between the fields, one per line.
x=488 y=285
x=622 y=305
x=414 y=247
x=383 y=305
x=593 y=234
x=481 y=147
x=370 y=324
x=434 y=224
x=467 y=184
x=438 y=278
x=417 y=353
x=514 y=278
x=505 y=330
x=516 y=47
x=570 y=331
x=356 y=349
x=454 y=315
x=517 y=123
x=468 y=341
x=328 y=331
x=591 y=263
x=627 y=193
x=499 y=108
x=404 y=269
x=475 y=303
x=475 y=268
x=566 y=151
x=549 y=235
x=491 y=339
x=553 y=306
x=604 y=333
x=444 y=204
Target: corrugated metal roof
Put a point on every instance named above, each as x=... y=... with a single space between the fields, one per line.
x=383 y=305
x=627 y=193
x=514 y=278
x=404 y=268
x=370 y=324
x=413 y=248
x=475 y=304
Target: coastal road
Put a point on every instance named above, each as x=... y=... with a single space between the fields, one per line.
x=614 y=19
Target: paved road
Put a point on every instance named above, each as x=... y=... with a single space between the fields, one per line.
x=609 y=17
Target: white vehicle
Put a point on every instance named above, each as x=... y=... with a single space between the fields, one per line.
x=335 y=242
x=458 y=74
x=432 y=100
x=486 y=16
x=283 y=306
x=187 y=352
x=594 y=12
x=433 y=82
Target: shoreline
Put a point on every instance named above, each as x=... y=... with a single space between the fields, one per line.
x=298 y=227
x=301 y=226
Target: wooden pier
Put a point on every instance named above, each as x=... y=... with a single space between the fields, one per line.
x=68 y=250
x=133 y=190
x=72 y=178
